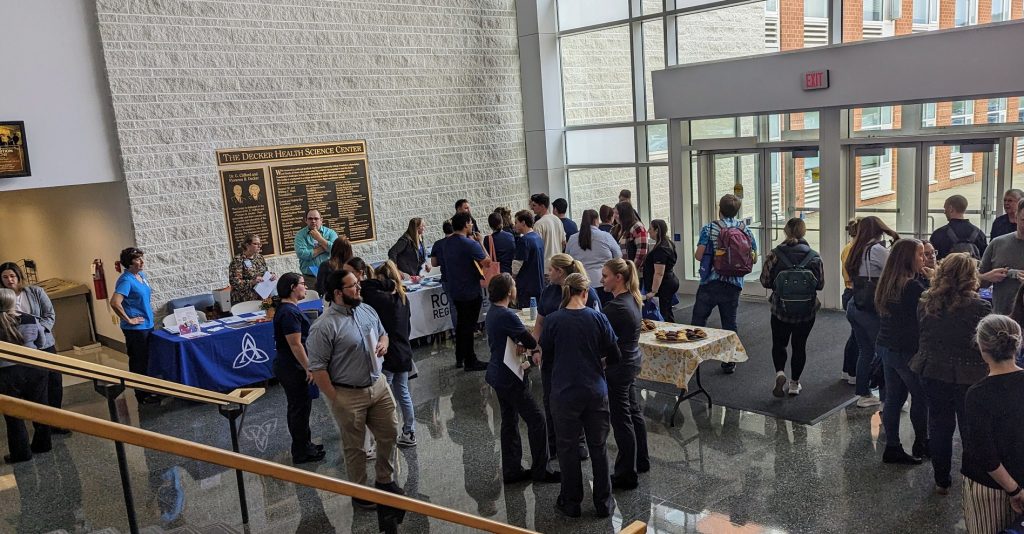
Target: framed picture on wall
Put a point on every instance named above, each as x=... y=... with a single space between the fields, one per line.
x=13 y=150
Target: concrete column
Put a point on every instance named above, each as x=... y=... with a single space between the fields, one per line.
x=541 y=77
x=833 y=200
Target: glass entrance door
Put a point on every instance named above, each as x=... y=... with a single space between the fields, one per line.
x=884 y=183
x=966 y=170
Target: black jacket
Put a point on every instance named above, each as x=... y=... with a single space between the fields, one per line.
x=796 y=254
x=394 y=315
x=406 y=256
x=963 y=229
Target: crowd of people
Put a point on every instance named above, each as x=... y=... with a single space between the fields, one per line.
x=920 y=330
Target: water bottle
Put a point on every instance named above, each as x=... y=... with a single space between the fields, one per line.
x=533 y=308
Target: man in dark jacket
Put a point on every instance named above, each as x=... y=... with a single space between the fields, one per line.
x=959 y=235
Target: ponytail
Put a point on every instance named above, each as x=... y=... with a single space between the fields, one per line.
x=627 y=270
x=574 y=284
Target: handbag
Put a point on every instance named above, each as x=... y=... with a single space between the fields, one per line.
x=864 y=288
x=492 y=270
x=651 y=311
x=1016 y=528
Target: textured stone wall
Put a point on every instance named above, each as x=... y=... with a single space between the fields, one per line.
x=433 y=86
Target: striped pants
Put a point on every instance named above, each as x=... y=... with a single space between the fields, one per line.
x=986 y=510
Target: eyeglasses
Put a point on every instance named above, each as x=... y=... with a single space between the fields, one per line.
x=350 y=286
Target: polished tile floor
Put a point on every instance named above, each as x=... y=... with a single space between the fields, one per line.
x=723 y=471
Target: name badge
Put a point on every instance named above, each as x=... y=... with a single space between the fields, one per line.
x=248 y=264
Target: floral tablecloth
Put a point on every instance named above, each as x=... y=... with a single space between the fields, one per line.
x=675 y=363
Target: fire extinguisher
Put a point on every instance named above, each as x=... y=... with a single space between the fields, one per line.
x=99 y=280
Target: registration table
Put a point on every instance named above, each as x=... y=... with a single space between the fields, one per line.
x=676 y=363
x=226 y=359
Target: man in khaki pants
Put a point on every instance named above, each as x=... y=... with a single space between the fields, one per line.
x=346 y=346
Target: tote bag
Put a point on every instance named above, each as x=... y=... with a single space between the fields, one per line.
x=492 y=270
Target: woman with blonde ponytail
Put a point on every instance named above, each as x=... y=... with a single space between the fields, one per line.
x=993 y=463
x=577 y=342
x=619 y=278
x=22 y=381
x=560 y=266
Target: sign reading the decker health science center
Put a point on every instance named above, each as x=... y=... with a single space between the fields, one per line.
x=268 y=190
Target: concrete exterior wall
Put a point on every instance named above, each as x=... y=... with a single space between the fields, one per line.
x=433 y=87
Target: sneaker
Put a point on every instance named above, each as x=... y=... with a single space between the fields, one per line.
x=794 y=387
x=780 y=382
x=896 y=455
x=848 y=378
x=920 y=449
x=867 y=401
x=407 y=439
x=728 y=367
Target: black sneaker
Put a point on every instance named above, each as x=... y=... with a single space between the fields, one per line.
x=624 y=483
x=550 y=477
x=390 y=487
x=729 y=367
x=515 y=477
x=920 y=449
x=569 y=510
x=309 y=458
x=896 y=455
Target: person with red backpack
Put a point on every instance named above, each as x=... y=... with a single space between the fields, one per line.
x=726 y=251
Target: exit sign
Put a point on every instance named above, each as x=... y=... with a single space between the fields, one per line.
x=815 y=79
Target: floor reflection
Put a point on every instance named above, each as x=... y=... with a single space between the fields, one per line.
x=715 y=471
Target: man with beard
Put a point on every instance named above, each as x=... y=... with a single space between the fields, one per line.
x=346 y=347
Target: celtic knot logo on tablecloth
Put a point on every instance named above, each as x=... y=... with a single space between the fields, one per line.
x=250 y=353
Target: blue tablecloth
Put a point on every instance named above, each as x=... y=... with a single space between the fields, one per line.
x=222 y=361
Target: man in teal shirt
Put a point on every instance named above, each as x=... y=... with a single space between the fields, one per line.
x=313 y=243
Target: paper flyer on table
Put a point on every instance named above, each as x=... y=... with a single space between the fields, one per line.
x=187 y=320
x=267 y=287
x=512 y=359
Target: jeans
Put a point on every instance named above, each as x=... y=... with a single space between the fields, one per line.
x=516 y=403
x=137 y=345
x=627 y=422
x=899 y=381
x=716 y=293
x=399 y=383
x=945 y=409
x=589 y=414
x=865 y=329
x=850 y=352
x=782 y=332
x=468 y=312
x=296 y=393
x=28 y=383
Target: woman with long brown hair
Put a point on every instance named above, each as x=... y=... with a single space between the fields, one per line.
x=631 y=234
x=658 y=273
x=947 y=358
x=409 y=252
x=593 y=247
x=341 y=252
x=865 y=263
x=899 y=290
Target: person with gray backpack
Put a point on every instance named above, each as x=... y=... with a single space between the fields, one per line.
x=959 y=234
x=794 y=273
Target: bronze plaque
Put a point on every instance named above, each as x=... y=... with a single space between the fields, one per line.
x=339 y=190
x=247 y=207
x=13 y=150
x=330 y=177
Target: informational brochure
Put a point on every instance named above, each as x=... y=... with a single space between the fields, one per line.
x=187 y=320
x=512 y=359
x=267 y=287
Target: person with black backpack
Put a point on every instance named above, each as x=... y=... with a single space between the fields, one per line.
x=959 y=235
x=794 y=273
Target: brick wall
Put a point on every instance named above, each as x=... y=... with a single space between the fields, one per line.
x=432 y=86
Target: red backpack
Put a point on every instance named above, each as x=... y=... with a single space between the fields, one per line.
x=733 y=251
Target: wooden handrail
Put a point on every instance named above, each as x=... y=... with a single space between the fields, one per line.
x=151 y=440
x=636 y=527
x=92 y=371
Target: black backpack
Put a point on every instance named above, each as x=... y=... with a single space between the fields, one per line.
x=796 y=286
x=964 y=245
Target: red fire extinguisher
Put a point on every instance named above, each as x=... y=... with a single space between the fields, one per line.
x=99 y=280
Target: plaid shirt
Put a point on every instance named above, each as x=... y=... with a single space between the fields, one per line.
x=634 y=244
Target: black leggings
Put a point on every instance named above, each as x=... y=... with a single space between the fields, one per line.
x=781 y=333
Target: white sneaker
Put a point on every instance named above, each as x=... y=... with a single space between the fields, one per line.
x=849 y=379
x=906 y=406
x=867 y=401
x=407 y=439
x=794 y=387
x=780 y=383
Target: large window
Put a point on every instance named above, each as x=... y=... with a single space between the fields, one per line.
x=1000 y=10
x=966 y=13
x=597 y=84
x=962 y=113
x=926 y=11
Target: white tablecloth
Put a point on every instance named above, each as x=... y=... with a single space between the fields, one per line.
x=430 y=314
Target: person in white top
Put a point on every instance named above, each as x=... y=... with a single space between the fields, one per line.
x=548 y=226
x=593 y=247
